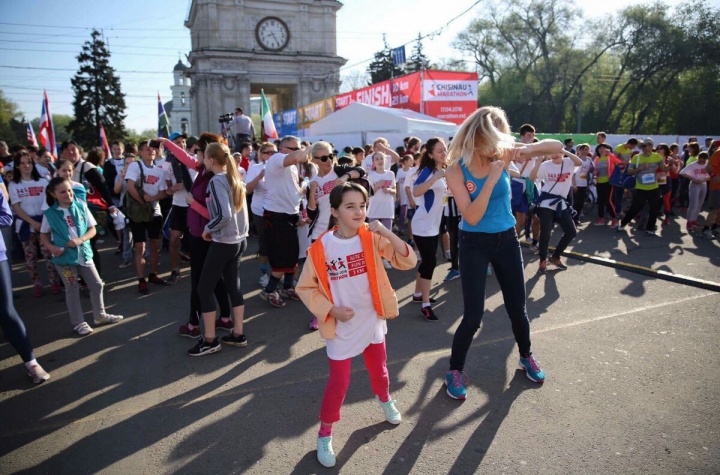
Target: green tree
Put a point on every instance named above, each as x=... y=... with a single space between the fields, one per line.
x=418 y=59
x=382 y=67
x=98 y=96
x=60 y=124
x=9 y=118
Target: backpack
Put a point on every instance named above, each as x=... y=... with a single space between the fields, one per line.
x=136 y=211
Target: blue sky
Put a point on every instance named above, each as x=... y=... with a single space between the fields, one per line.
x=148 y=36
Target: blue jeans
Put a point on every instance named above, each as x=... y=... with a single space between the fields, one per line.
x=10 y=321
x=502 y=250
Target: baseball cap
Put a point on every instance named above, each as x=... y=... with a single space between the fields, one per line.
x=647 y=141
x=175 y=135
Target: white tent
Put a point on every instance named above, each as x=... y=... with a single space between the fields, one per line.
x=361 y=123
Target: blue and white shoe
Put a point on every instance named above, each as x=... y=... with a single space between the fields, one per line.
x=325 y=452
x=456 y=382
x=452 y=275
x=532 y=368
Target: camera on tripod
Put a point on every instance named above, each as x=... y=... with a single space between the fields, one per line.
x=226 y=118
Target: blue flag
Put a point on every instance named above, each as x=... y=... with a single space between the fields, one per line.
x=398 y=55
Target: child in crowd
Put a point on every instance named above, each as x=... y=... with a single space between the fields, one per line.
x=406 y=162
x=66 y=169
x=580 y=181
x=27 y=194
x=67 y=227
x=346 y=287
x=696 y=172
x=382 y=181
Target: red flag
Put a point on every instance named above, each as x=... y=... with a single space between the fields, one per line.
x=46 y=129
x=31 y=134
x=104 y=142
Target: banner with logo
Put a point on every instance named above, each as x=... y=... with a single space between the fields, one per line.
x=289 y=122
x=450 y=96
x=311 y=113
x=401 y=93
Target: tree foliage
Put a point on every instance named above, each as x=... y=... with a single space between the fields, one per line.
x=382 y=67
x=418 y=60
x=98 y=96
x=622 y=74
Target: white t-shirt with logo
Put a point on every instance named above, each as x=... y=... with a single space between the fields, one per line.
x=428 y=214
x=350 y=287
x=581 y=175
x=382 y=203
x=322 y=201
x=72 y=229
x=696 y=171
x=282 y=182
x=155 y=180
x=179 y=196
x=402 y=177
x=367 y=163
x=31 y=196
x=550 y=174
x=260 y=191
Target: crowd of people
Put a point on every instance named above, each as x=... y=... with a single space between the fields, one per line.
x=331 y=227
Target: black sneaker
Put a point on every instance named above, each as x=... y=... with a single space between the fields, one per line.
x=419 y=299
x=235 y=340
x=204 y=348
x=429 y=314
x=174 y=276
x=154 y=279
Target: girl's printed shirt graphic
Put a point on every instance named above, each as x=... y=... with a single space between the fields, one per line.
x=351 y=266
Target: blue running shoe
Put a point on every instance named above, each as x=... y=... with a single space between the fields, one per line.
x=489 y=271
x=532 y=369
x=452 y=275
x=456 y=382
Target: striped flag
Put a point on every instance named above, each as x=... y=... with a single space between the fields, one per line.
x=46 y=129
x=163 y=122
x=30 y=134
x=104 y=142
x=267 y=126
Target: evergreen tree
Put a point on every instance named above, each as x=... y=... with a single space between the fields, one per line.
x=418 y=60
x=98 y=97
x=382 y=67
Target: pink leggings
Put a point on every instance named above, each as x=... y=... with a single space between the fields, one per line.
x=339 y=381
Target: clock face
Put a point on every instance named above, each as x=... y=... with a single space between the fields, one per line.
x=272 y=33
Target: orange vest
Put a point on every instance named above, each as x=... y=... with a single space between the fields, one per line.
x=317 y=253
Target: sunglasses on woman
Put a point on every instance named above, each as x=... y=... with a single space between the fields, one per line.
x=324 y=158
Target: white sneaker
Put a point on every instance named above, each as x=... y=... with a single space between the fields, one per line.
x=106 y=319
x=392 y=415
x=387 y=264
x=38 y=374
x=83 y=329
x=264 y=280
x=325 y=452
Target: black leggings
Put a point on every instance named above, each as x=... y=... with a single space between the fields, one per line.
x=547 y=218
x=579 y=199
x=453 y=228
x=198 y=252
x=427 y=245
x=222 y=261
x=603 y=200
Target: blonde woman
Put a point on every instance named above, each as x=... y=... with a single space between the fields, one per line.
x=227 y=231
x=478 y=179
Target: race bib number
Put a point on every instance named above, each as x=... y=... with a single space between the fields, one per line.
x=583 y=176
x=648 y=179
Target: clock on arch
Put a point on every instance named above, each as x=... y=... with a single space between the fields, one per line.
x=272 y=34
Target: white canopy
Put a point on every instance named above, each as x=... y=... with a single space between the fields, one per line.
x=363 y=118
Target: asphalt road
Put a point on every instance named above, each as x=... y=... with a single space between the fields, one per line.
x=631 y=362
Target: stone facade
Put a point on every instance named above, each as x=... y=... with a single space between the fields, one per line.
x=229 y=63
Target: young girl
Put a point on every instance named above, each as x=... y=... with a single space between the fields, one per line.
x=406 y=162
x=67 y=226
x=66 y=169
x=553 y=207
x=580 y=181
x=120 y=189
x=228 y=230
x=346 y=287
x=382 y=203
x=482 y=151
x=665 y=178
x=698 y=175
x=428 y=191
x=605 y=163
x=27 y=195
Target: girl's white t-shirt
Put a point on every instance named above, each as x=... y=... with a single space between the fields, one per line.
x=350 y=287
x=367 y=163
x=402 y=176
x=694 y=170
x=581 y=175
x=551 y=174
x=428 y=214
x=322 y=201
x=382 y=203
x=258 y=200
x=72 y=229
x=31 y=196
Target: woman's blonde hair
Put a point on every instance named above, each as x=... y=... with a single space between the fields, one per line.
x=381 y=140
x=220 y=153
x=317 y=146
x=486 y=133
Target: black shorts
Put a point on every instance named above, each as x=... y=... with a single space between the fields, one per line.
x=152 y=229
x=178 y=218
x=259 y=221
x=282 y=241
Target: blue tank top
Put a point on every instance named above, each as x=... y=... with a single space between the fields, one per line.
x=498 y=216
